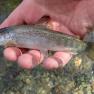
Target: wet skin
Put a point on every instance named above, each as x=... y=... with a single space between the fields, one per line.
x=74 y=18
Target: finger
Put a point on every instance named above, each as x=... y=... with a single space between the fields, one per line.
x=30 y=59
x=38 y=55
x=25 y=61
x=59 y=59
x=50 y=63
x=26 y=11
x=12 y=53
x=64 y=58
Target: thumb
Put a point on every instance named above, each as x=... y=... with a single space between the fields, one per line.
x=25 y=12
x=14 y=18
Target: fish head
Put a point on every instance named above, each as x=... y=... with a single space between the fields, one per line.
x=5 y=36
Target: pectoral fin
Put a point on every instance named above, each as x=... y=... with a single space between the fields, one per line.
x=10 y=44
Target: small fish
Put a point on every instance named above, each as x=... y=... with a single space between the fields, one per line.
x=40 y=38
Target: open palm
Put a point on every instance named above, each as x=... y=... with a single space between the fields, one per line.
x=69 y=17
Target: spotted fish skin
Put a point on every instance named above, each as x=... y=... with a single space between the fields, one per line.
x=41 y=38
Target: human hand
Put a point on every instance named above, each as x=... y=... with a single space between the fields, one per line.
x=74 y=18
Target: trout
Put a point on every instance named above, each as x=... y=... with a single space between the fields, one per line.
x=40 y=38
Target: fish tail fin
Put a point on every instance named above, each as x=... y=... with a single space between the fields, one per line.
x=89 y=37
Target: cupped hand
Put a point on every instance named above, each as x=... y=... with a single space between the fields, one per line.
x=69 y=17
